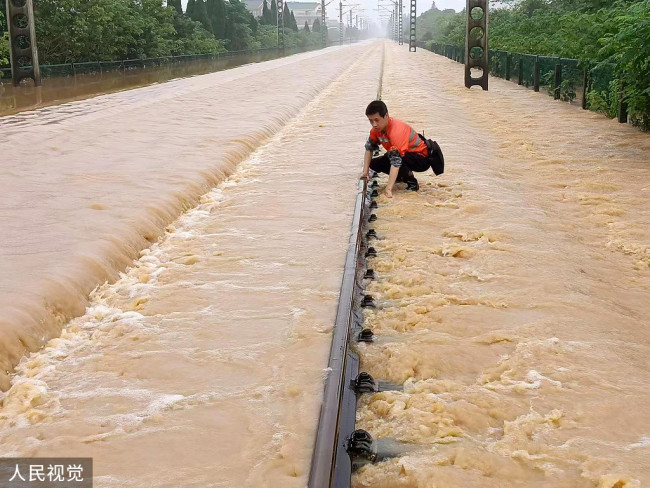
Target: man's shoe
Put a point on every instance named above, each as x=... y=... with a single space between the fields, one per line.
x=412 y=185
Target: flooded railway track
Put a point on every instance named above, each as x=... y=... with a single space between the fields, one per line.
x=340 y=448
x=511 y=303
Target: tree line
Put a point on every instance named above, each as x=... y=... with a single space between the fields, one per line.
x=104 y=30
x=606 y=32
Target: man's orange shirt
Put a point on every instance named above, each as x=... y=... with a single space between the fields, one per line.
x=399 y=136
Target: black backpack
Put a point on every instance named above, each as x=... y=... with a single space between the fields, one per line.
x=436 y=158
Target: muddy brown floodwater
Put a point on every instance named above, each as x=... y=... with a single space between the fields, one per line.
x=514 y=293
x=203 y=364
x=195 y=232
x=86 y=80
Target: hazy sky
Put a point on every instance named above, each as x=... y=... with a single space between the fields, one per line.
x=457 y=5
x=422 y=5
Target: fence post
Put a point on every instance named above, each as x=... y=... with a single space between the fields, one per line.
x=536 y=75
x=585 y=87
x=557 y=81
x=520 y=78
x=622 y=105
x=508 y=66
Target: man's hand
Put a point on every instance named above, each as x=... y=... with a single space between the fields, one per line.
x=392 y=177
x=364 y=176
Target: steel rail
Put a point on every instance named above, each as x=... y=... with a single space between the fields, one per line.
x=331 y=466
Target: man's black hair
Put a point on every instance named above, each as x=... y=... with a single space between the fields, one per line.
x=377 y=107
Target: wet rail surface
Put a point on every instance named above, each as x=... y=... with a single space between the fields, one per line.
x=340 y=448
x=331 y=462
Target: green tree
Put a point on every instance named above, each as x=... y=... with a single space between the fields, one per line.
x=267 y=36
x=176 y=5
x=441 y=25
x=154 y=25
x=241 y=27
x=294 y=24
x=4 y=39
x=613 y=34
x=301 y=39
x=629 y=49
x=4 y=49
x=3 y=23
x=316 y=26
x=200 y=14
x=528 y=7
x=74 y=31
x=286 y=15
x=580 y=5
x=216 y=11
x=91 y=30
x=274 y=13
x=267 y=15
x=189 y=10
x=306 y=28
x=192 y=38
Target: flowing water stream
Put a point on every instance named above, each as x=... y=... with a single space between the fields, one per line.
x=203 y=364
x=513 y=290
x=514 y=293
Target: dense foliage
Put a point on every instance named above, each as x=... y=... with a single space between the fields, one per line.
x=4 y=41
x=90 y=30
x=85 y=30
x=604 y=32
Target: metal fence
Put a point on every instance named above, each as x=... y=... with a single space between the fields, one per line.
x=99 y=67
x=595 y=85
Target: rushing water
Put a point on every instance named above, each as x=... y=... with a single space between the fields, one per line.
x=86 y=185
x=87 y=80
x=513 y=289
x=202 y=364
x=514 y=293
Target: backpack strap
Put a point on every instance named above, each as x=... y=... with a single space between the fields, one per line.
x=436 y=157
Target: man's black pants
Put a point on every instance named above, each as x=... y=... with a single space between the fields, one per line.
x=410 y=162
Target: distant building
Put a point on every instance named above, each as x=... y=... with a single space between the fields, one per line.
x=305 y=11
x=256 y=7
x=333 y=29
x=302 y=11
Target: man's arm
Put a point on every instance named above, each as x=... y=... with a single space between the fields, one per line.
x=371 y=146
x=367 y=157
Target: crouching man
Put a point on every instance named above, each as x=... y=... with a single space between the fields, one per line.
x=406 y=150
